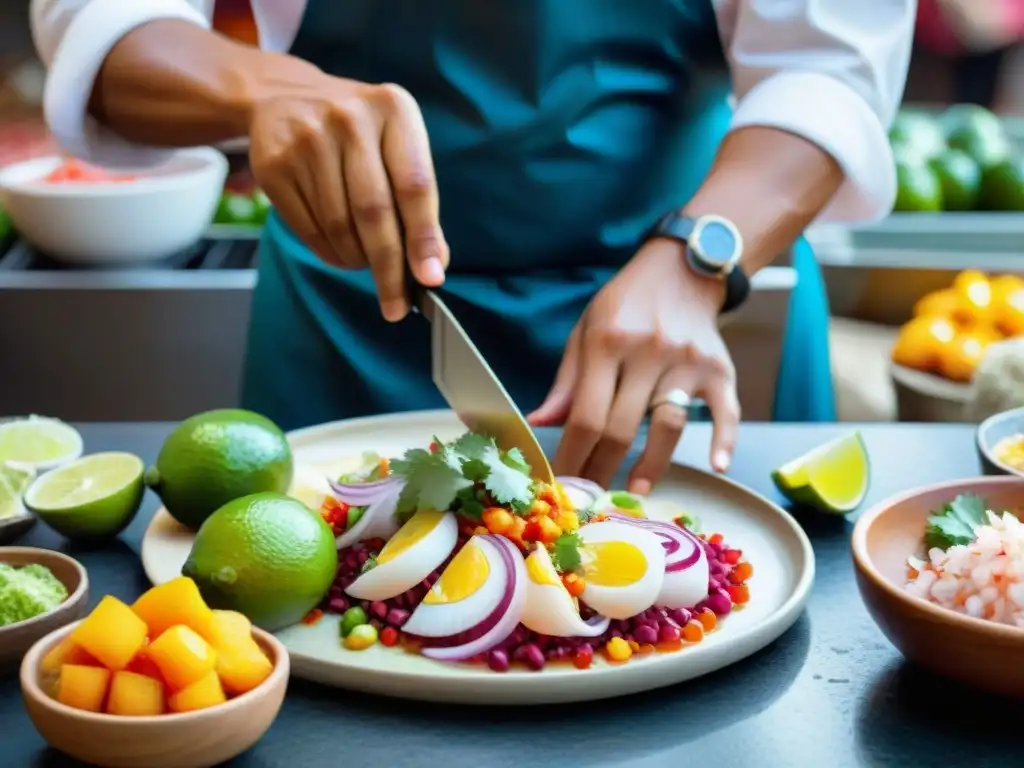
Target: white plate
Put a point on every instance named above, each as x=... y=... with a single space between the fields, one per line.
x=771 y=540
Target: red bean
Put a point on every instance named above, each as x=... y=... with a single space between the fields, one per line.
x=646 y=635
x=337 y=605
x=397 y=616
x=720 y=604
x=668 y=634
x=532 y=655
x=497 y=660
x=681 y=616
x=362 y=556
x=379 y=609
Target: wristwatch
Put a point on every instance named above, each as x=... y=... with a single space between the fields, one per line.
x=713 y=248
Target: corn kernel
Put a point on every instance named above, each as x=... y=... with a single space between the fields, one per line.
x=540 y=508
x=568 y=521
x=361 y=637
x=618 y=649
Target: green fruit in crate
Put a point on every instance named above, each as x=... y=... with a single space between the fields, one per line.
x=237 y=210
x=916 y=136
x=977 y=132
x=1002 y=186
x=918 y=187
x=959 y=176
x=262 y=206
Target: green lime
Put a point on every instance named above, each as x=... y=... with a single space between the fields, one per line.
x=267 y=556
x=972 y=118
x=95 y=496
x=40 y=441
x=236 y=209
x=14 y=481
x=918 y=188
x=917 y=136
x=1002 y=186
x=218 y=456
x=262 y=204
x=960 y=178
x=833 y=477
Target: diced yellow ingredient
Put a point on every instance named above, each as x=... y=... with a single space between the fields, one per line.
x=241 y=663
x=203 y=693
x=142 y=664
x=182 y=656
x=83 y=687
x=568 y=521
x=65 y=652
x=135 y=695
x=112 y=633
x=176 y=602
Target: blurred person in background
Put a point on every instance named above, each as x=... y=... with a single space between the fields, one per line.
x=978 y=35
x=602 y=202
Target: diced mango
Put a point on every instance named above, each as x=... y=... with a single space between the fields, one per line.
x=176 y=602
x=241 y=663
x=182 y=656
x=83 y=687
x=203 y=693
x=65 y=652
x=112 y=633
x=135 y=695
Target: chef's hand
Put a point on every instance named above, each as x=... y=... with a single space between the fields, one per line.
x=651 y=330
x=348 y=167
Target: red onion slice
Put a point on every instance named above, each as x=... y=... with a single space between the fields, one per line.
x=377 y=522
x=363 y=494
x=503 y=620
x=581 y=491
x=682 y=548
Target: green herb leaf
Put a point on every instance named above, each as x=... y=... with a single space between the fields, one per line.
x=954 y=523
x=514 y=458
x=469 y=505
x=370 y=564
x=472 y=445
x=565 y=554
x=431 y=480
x=506 y=484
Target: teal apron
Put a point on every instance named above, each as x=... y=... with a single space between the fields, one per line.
x=560 y=130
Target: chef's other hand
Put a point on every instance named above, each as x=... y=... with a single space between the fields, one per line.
x=649 y=335
x=348 y=167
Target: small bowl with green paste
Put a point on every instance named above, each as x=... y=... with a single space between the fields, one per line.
x=40 y=591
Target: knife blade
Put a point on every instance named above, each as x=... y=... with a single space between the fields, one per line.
x=472 y=390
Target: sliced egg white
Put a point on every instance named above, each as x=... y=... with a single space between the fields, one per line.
x=469 y=590
x=310 y=486
x=419 y=547
x=550 y=609
x=686 y=588
x=623 y=568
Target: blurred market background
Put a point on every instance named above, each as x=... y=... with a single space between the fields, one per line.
x=919 y=301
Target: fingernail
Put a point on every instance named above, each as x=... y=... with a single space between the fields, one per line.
x=721 y=461
x=640 y=487
x=433 y=271
x=394 y=310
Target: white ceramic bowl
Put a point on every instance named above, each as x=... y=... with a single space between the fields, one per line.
x=163 y=211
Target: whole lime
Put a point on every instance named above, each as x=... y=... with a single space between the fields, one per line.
x=916 y=135
x=218 y=456
x=267 y=556
x=960 y=178
x=976 y=131
x=1002 y=186
x=918 y=187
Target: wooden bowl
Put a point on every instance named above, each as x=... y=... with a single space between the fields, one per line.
x=980 y=653
x=990 y=432
x=15 y=639
x=198 y=739
x=924 y=397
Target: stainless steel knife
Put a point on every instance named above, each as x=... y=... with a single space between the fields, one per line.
x=472 y=390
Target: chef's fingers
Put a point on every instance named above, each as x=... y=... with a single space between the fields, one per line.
x=376 y=220
x=291 y=206
x=406 y=151
x=666 y=428
x=632 y=399
x=591 y=402
x=555 y=408
x=723 y=402
x=323 y=186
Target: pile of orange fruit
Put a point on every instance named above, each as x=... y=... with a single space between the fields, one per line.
x=952 y=328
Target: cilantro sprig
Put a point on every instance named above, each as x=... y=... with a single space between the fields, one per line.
x=565 y=553
x=954 y=523
x=459 y=475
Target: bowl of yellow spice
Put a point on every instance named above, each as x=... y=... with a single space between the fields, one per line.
x=40 y=591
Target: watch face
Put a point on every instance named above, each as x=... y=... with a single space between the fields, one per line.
x=716 y=241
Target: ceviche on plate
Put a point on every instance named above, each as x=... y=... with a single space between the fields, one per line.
x=457 y=553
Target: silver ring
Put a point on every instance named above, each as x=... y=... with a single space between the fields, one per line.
x=676 y=397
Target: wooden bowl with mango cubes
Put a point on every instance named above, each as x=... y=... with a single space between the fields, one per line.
x=165 y=681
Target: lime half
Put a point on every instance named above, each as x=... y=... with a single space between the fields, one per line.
x=41 y=442
x=94 y=496
x=833 y=477
x=14 y=481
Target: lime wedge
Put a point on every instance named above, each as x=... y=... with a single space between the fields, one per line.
x=14 y=480
x=833 y=477
x=39 y=441
x=94 y=496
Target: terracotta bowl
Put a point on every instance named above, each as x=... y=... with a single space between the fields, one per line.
x=196 y=739
x=974 y=651
x=990 y=432
x=15 y=639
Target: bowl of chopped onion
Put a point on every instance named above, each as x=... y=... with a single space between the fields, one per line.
x=941 y=571
x=1000 y=441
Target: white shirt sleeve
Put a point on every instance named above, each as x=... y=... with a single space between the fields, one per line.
x=832 y=71
x=73 y=37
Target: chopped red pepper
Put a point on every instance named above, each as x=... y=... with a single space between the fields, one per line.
x=313 y=617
